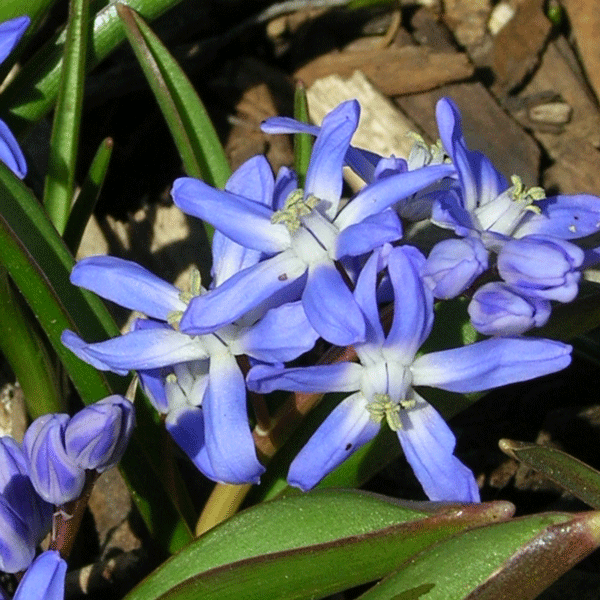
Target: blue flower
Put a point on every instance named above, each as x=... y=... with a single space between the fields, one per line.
x=384 y=382
x=24 y=516
x=44 y=579
x=10 y=152
x=304 y=235
x=195 y=379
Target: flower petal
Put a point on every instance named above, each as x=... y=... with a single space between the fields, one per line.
x=240 y=293
x=370 y=233
x=331 y=308
x=339 y=377
x=565 y=217
x=186 y=426
x=489 y=364
x=245 y=221
x=229 y=441
x=128 y=284
x=283 y=334
x=11 y=32
x=413 y=305
x=143 y=349
x=11 y=153
x=381 y=194
x=345 y=430
x=428 y=445
x=324 y=175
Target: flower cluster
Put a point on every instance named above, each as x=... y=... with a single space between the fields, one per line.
x=49 y=469
x=293 y=265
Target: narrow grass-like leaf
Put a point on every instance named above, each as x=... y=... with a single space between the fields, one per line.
x=192 y=130
x=64 y=140
x=302 y=141
x=517 y=560
x=27 y=354
x=88 y=196
x=572 y=474
x=40 y=264
x=32 y=93
x=317 y=542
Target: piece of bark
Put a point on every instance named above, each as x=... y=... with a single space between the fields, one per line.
x=585 y=23
x=517 y=47
x=392 y=70
x=382 y=128
x=486 y=127
x=468 y=21
x=576 y=169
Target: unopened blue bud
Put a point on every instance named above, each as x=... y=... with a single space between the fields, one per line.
x=453 y=265
x=97 y=436
x=542 y=266
x=55 y=477
x=45 y=578
x=496 y=309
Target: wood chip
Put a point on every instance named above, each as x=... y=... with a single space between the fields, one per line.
x=392 y=70
x=382 y=128
x=585 y=23
x=576 y=169
x=485 y=125
x=518 y=46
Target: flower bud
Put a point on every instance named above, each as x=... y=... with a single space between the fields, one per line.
x=55 y=477
x=16 y=488
x=453 y=265
x=45 y=578
x=496 y=309
x=16 y=548
x=97 y=436
x=542 y=266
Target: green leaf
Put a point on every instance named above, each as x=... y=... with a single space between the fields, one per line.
x=308 y=545
x=572 y=474
x=88 y=196
x=302 y=141
x=192 y=130
x=31 y=94
x=517 y=560
x=40 y=264
x=64 y=140
x=27 y=354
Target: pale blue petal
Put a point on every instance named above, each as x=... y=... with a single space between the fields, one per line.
x=128 y=284
x=285 y=183
x=245 y=221
x=449 y=212
x=137 y=350
x=338 y=377
x=229 y=258
x=240 y=293
x=229 y=441
x=283 y=334
x=480 y=181
x=324 y=175
x=381 y=194
x=428 y=445
x=413 y=304
x=11 y=32
x=186 y=426
x=16 y=548
x=565 y=217
x=331 y=308
x=45 y=578
x=347 y=428
x=491 y=363
x=11 y=153
x=370 y=233
x=276 y=125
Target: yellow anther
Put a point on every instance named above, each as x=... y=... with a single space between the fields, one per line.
x=381 y=406
x=295 y=207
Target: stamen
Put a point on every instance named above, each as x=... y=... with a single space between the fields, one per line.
x=381 y=406
x=295 y=207
x=521 y=193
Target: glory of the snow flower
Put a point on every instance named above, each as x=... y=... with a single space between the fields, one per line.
x=385 y=379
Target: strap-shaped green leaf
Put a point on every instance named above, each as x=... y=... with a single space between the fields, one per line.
x=33 y=91
x=191 y=128
x=572 y=474
x=60 y=177
x=308 y=545
x=515 y=560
